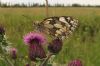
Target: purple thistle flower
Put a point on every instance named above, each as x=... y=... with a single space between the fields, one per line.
x=36 y=51
x=75 y=63
x=13 y=52
x=34 y=37
x=27 y=65
x=55 y=46
x=35 y=41
x=2 y=31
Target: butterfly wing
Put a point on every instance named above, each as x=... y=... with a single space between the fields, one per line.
x=69 y=24
x=60 y=27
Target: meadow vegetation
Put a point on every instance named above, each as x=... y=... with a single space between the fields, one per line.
x=83 y=44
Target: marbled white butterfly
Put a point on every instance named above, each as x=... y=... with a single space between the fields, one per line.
x=59 y=27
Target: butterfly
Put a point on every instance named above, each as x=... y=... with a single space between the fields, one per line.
x=60 y=27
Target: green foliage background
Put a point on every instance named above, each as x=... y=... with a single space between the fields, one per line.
x=84 y=44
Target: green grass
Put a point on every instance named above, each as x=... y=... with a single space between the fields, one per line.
x=83 y=44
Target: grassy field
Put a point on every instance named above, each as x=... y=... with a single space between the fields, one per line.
x=84 y=44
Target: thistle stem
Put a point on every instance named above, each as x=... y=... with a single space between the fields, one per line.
x=5 y=57
x=33 y=63
x=8 y=61
x=15 y=64
x=46 y=60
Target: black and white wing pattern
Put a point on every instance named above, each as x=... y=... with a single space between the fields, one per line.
x=60 y=27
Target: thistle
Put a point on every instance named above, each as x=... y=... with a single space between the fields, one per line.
x=2 y=31
x=13 y=53
x=75 y=63
x=27 y=65
x=55 y=46
x=35 y=42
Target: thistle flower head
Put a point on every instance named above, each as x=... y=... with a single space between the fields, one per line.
x=27 y=65
x=55 y=46
x=2 y=31
x=75 y=63
x=33 y=37
x=13 y=52
x=35 y=41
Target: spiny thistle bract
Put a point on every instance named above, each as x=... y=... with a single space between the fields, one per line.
x=55 y=46
x=35 y=42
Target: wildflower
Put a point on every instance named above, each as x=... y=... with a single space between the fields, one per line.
x=35 y=41
x=2 y=31
x=13 y=52
x=75 y=63
x=34 y=37
x=27 y=65
x=55 y=46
